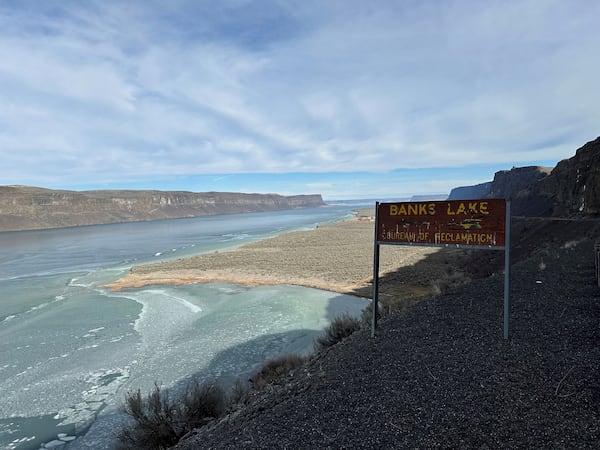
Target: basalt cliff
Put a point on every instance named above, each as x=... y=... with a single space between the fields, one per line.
x=28 y=208
x=572 y=188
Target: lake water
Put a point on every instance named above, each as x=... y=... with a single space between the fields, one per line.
x=70 y=350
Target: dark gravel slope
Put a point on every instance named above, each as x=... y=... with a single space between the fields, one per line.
x=439 y=374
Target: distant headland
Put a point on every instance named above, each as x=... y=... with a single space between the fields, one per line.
x=30 y=208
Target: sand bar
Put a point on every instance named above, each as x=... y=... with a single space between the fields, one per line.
x=337 y=257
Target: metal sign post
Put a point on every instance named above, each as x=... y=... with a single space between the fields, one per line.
x=375 y=275
x=480 y=224
x=507 y=272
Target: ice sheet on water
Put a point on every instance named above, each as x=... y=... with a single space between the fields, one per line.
x=238 y=329
x=160 y=306
x=168 y=295
x=103 y=384
x=95 y=330
x=45 y=378
x=234 y=237
x=216 y=330
x=80 y=282
x=32 y=433
x=65 y=437
x=260 y=322
x=233 y=289
x=16 y=443
x=32 y=309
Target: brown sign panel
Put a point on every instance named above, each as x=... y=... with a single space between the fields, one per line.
x=452 y=222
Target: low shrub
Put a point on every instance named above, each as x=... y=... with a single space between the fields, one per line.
x=340 y=328
x=366 y=315
x=159 y=422
x=452 y=279
x=403 y=300
x=238 y=393
x=276 y=369
x=155 y=421
x=202 y=402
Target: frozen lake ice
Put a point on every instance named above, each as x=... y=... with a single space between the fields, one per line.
x=69 y=350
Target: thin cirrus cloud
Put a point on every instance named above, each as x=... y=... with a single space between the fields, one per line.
x=99 y=92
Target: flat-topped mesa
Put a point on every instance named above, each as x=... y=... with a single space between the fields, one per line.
x=27 y=208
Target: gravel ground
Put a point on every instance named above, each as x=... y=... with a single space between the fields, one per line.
x=439 y=374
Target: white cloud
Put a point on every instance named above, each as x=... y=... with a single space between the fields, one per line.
x=104 y=90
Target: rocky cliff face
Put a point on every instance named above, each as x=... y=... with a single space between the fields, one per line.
x=23 y=208
x=570 y=188
x=520 y=186
x=574 y=184
x=517 y=184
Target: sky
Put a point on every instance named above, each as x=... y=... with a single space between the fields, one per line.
x=346 y=98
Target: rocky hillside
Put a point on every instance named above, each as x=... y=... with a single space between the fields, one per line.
x=26 y=208
x=572 y=188
x=574 y=184
x=520 y=185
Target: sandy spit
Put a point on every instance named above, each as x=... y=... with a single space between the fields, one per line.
x=337 y=257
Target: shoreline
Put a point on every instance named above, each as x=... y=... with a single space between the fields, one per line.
x=183 y=277
x=336 y=257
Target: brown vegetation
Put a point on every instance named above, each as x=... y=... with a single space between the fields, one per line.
x=337 y=257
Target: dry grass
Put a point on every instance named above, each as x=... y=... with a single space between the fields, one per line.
x=337 y=257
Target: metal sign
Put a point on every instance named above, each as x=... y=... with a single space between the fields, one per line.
x=483 y=224
x=479 y=223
